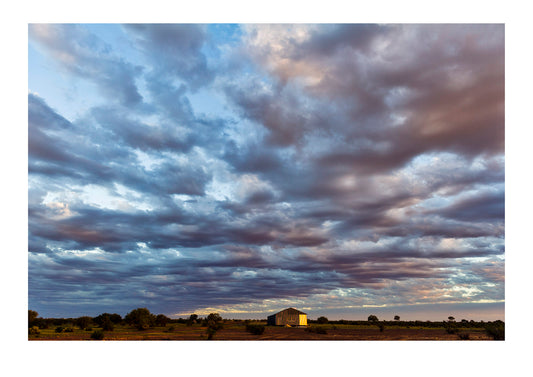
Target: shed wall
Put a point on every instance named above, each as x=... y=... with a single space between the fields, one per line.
x=288 y=316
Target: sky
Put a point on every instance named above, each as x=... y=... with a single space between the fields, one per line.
x=341 y=169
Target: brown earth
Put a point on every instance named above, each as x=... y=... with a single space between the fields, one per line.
x=238 y=332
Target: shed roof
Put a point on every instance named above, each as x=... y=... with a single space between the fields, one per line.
x=291 y=311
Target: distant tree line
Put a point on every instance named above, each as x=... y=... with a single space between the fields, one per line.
x=141 y=318
x=372 y=319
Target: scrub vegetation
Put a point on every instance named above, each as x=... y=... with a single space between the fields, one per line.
x=140 y=324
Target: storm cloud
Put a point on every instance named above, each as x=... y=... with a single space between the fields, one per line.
x=245 y=168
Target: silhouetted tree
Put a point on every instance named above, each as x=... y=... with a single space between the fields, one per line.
x=105 y=317
x=496 y=330
x=372 y=318
x=161 y=320
x=107 y=324
x=322 y=320
x=396 y=317
x=192 y=319
x=115 y=318
x=32 y=316
x=140 y=318
x=214 y=323
x=83 y=322
x=451 y=319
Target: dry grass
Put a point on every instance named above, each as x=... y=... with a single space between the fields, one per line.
x=237 y=331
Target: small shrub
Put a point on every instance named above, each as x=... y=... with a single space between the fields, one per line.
x=464 y=336
x=317 y=329
x=210 y=333
x=59 y=329
x=108 y=326
x=451 y=330
x=496 y=331
x=255 y=328
x=381 y=327
x=34 y=330
x=170 y=329
x=68 y=329
x=97 y=335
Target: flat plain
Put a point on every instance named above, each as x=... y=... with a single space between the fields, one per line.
x=237 y=331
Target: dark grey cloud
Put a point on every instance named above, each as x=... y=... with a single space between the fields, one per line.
x=352 y=163
x=481 y=206
x=53 y=155
x=176 y=50
x=87 y=152
x=132 y=133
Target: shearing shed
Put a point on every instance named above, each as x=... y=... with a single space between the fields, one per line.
x=289 y=316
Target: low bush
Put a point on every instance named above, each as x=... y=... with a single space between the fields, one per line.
x=108 y=326
x=170 y=329
x=210 y=333
x=255 y=328
x=68 y=329
x=317 y=329
x=97 y=335
x=59 y=329
x=34 y=330
x=496 y=331
x=451 y=330
x=464 y=336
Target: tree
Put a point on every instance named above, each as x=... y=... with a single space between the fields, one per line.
x=192 y=319
x=83 y=322
x=396 y=317
x=322 y=320
x=140 y=318
x=372 y=318
x=32 y=316
x=451 y=319
x=115 y=318
x=161 y=320
x=106 y=317
x=214 y=323
x=496 y=330
x=107 y=324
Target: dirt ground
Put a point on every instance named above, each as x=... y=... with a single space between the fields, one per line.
x=283 y=333
x=237 y=332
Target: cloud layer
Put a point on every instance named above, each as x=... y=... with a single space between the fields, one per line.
x=247 y=168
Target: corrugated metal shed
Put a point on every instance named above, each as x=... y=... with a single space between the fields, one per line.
x=289 y=316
